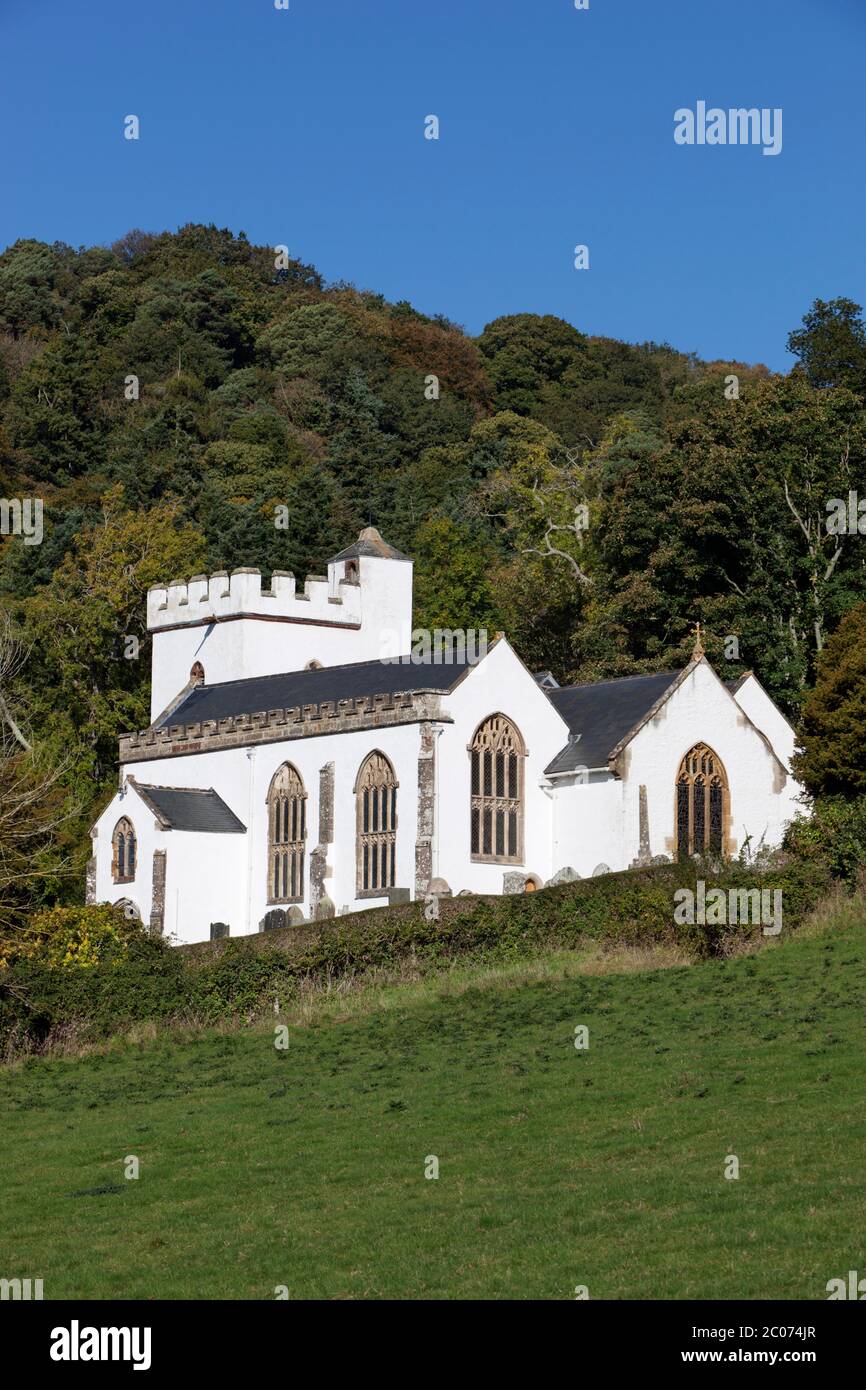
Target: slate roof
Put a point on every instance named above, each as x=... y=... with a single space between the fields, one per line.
x=186 y=809
x=734 y=686
x=602 y=713
x=296 y=688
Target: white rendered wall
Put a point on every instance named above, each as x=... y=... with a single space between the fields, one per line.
x=588 y=825
x=757 y=704
x=762 y=799
x=500 y=684
x=223 y=878
x=205 y=874
x=231 y=647
x=148 y=838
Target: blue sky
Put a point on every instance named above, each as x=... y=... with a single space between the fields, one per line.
x=305 y=127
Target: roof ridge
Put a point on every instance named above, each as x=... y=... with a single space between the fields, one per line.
x=340 y=666
x=613 y=680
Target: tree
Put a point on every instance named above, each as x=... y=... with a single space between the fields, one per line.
x=33 y=810
x=831 y=760
x=13 y=658
x=728 y=525
x=831 y=345
x=455 y=584
x=89 y=627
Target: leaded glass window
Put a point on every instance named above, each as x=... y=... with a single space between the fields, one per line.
x=287 y=835
x=376 y=795
x=701 y=802
x=496 y=791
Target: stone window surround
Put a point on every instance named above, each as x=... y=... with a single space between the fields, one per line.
x=385 y=837
x=295 y=849
x=481 y=797
x=125 y=828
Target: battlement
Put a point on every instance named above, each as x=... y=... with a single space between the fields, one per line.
x=277 y=725
x=223 y=627
x=216 y=597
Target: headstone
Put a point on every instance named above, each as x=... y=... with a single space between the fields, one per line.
x=274 y=919
x=218 y=930
x=601 y=869
x=513 y=882
x=398 y=895
x=324 y=909
x=565 y=875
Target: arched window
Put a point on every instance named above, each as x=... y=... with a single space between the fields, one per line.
x=197 y=673
x=123 y=852
x=496 y=809
x=287 y=833
x=376 y=799
x=702 y=802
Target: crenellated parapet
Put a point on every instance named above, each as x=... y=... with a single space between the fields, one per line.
x=213 y=598
x=278 y=725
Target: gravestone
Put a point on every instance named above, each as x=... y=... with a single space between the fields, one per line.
x=564 y=875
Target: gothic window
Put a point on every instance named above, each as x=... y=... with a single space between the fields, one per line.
x=702 y=802
x=287 y=834
x=496 y=797
x=376 y=797
x=123 y=852
x=197 y=673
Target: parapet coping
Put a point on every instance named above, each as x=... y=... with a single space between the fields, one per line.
x=279 y=725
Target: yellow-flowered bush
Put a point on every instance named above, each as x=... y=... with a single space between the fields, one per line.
x=70 y=938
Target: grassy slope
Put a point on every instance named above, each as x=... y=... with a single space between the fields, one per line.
x=557 y=1168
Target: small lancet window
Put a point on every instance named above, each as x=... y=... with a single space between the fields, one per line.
x=123 y=852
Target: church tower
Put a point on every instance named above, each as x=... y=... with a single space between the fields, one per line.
x=221 y=627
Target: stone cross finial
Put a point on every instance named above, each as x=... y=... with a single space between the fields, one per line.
x=698 y=649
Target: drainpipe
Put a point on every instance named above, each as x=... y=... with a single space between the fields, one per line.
x=554 y=843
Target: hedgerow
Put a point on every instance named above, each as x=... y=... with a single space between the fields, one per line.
x=237 y=979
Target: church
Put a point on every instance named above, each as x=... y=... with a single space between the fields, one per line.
x=305 y=760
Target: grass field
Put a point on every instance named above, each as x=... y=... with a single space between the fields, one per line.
x=557 y=1167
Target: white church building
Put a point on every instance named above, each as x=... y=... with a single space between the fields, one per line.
x=305 y=760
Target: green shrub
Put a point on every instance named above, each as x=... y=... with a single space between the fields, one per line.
x=834 y=835
x=64 y=938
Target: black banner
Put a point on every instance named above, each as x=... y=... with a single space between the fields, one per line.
x=83 y=1339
